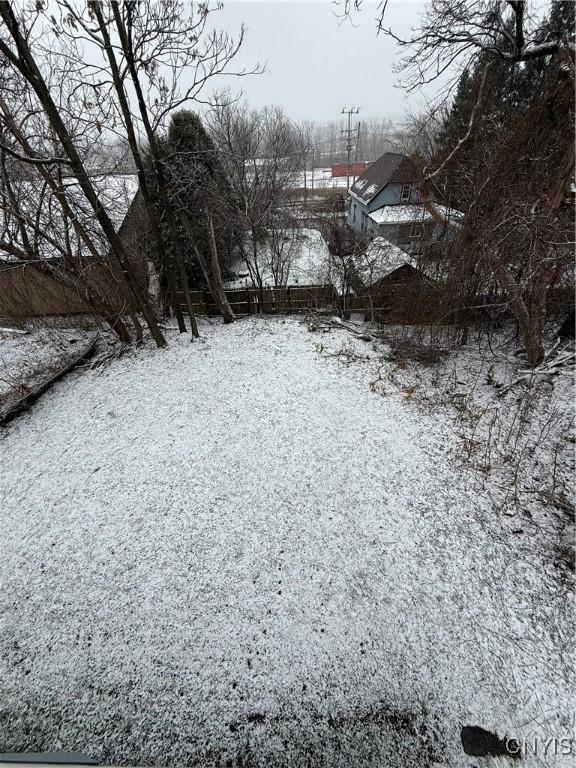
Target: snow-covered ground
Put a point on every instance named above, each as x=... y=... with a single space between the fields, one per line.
x=26 y=358
x=320 y=178
x=305 y=256
x=246 y=551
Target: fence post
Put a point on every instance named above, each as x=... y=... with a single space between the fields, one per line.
x=288 y=296
x=248 y=299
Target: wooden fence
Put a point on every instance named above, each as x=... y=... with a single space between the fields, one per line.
x=247 y=301
x=25 y=292
x=399 y=302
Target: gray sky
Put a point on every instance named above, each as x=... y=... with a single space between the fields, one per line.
x=316 y=63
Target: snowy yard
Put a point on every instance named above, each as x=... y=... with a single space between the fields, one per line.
x=305 y=261
x=28 y=357
x=235 y=552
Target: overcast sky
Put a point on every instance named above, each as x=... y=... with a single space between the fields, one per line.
x=316 y=63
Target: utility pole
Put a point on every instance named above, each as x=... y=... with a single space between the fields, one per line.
x=307 y=150
x=356 y=151
x=305 y=187
x=313 y=164
x=348 y=137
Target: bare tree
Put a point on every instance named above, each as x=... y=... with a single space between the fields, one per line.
x=459 y=31
x=19 y=55
x=284 y=243
x=262 y=155
x=32 y=215
x=146 y=48
x=517 y=234
x=418 y=134
x=105 y=41
x=45 y=202
x=345 y=248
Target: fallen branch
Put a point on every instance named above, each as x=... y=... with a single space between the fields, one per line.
x=25 y=402
x=109 y=357
x=550 y=367
x=559 y=500
x=336 y=322
x=16 y=331
x=344 y=355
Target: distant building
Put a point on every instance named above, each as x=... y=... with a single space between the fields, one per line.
x=341 y=170
x=384 y=201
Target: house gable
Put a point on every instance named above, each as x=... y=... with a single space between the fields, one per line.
x=391 y=168
x=391 y=194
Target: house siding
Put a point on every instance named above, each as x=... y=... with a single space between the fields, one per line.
x=402 y=234
x=391 y=194
x=391 y=174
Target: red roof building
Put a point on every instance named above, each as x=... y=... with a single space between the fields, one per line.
x=343 y=169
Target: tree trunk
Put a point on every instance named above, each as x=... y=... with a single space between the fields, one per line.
x=216 y=286
x=136 y=154
x=118 y=327
x=259 y=280
x=178 y=314
x=187 y=297
x=157 y=162
x=534 y=347
x=530 y=316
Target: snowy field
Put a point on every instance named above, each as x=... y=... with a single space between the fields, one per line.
x=238 y=552
x=320 y=178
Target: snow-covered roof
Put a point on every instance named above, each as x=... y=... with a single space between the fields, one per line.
x=387 y=257
x=116 y=192
x=405 y=214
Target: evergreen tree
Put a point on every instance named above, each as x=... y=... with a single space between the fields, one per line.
x=200 y=186
x=200 y=200
x=509 y=91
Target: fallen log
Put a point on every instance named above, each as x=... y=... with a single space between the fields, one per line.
x=25 y=402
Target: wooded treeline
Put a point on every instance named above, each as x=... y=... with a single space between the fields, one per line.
x=205 y=197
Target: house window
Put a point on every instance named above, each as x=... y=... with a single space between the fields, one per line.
x=353 y=211
x=405 y=193
x=416 y=230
